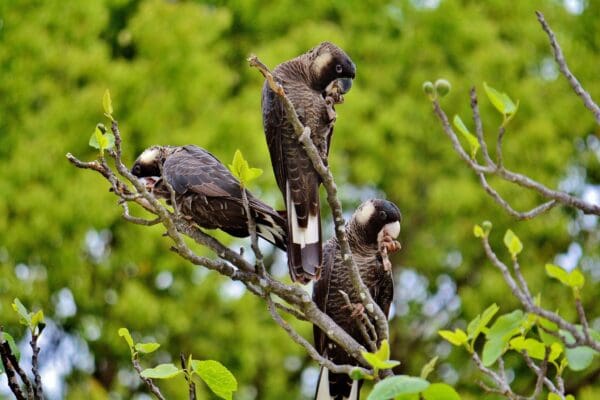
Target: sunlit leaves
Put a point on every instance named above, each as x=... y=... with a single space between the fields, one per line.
x=216 y=376
x=428 y=368
x=501 y=101
x=457 y=338
x=107 y=104
x=32 y=320
x=242 y=171
x=124 y=333
x=469 y=137
x=480 y=322
x=147 y=347
x=573 y=279
x=101 y=139
x=380 y=359
x=499 y=335
x=440 y=391
x=394 y=386
x=512 y=243
x=161 y=371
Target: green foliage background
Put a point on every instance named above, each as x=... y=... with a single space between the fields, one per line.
x=178 y=75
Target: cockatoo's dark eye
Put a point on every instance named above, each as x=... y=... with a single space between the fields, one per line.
x=339 y=69
x=382 y=215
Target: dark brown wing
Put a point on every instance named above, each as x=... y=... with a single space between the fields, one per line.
x=195 y=169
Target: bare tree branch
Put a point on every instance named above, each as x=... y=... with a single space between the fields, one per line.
x=564 y=69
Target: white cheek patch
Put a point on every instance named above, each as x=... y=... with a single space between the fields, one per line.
x=392 y=229
x=322 y=61
x=365 y=213
x=149 y=156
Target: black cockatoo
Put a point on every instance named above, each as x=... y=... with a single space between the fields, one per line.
x=206 y=192
x=313 y=82
x=372 y=230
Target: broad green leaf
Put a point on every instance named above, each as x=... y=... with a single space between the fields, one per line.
x=22 y=311
x=384 y=351
x=506 y=325
x=124 y=333
x=217 y=377
x=576 y=279
x=457 y=338
x=556 y=350
x=98 y=140
x=512 y=243
x=162 y=371
x=480 y=322
x=107 y=102
x=478 y=231
x=378 y=363
x=580 y=357
x=534 y=348
x=146 y=347
x=492 y=350
x=397 y=385
x=557 y=272
x=440 y=391
x=501 y=101
x=241 y=170
x=469 y=137
x=428 y=368
x=553 y=396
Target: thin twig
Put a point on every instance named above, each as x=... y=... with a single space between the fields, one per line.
x=564 y=69
x=188 y=378
x=35 y=349
x=10 y=368
x=479 y=128
x=260 y=264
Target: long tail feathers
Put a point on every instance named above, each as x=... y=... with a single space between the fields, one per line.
x=324 y=388
x=272 y=227
x=305 y=253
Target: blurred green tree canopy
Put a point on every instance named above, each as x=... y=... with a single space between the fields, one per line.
x=177 y=73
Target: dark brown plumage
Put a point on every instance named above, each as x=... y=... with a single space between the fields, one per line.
x=313 y=82
x=375 y=223
x=207 y=192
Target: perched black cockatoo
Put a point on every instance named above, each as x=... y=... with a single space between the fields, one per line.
x=206 y=192
x=313 y=82
x=371 y=232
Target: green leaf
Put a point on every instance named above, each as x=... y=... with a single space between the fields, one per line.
x=556 y=350
x=37 y=318
x=440 y=391
x=457 y=338
x=124 y=333
x=580 y=358
x=397 y=385
x=534 y=348
x=146 y=347
x=378 y=363
x=553 y=396
x=500 y=101
x=241 y=170
x=107 y=102
x=358 y=374
x=428 y=368
x=98 y=140
x=469 y=137
x=512 y=243
x=480 y=322
x=576 y=279
x=217 y=377
x=162 y=371
x=492 y=350
x=384 y=351
x=22 y=311
x=478 y=231
x=506 y=326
